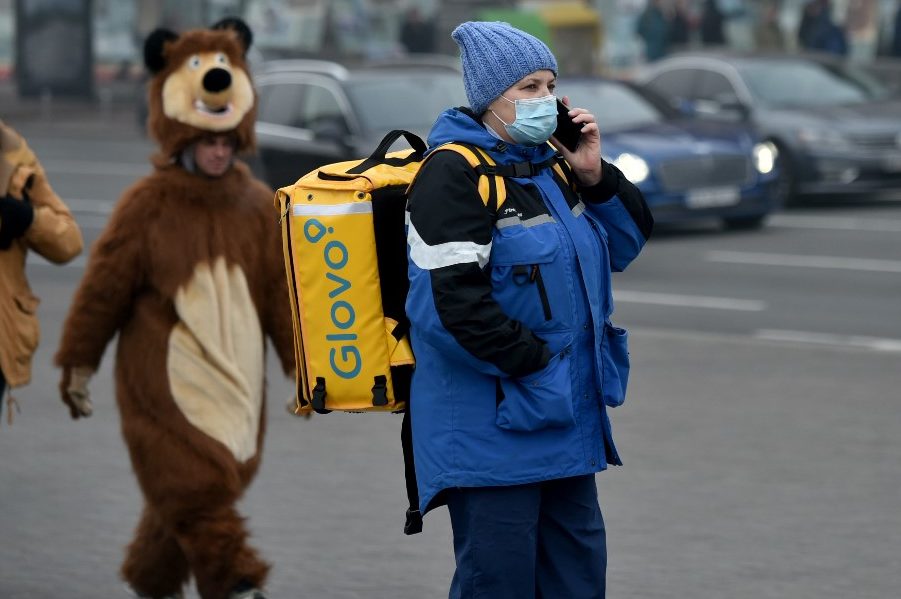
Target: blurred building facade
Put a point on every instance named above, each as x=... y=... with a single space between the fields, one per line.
x=104 y=37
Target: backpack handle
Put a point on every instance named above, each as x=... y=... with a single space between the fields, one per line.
x=379 y=156
x=414 y=140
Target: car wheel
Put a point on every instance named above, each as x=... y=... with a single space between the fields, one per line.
x=784 y=190
x=744 y=223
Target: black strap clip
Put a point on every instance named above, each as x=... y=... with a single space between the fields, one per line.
x=319 y=396
x=518 y=169
x=414 y=522
x=380 y=391
x=523 y=169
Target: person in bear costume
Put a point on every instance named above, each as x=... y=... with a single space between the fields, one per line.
x=189 y=273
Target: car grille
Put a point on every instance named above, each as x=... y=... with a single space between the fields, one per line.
x=704 y=171
x=876 y=141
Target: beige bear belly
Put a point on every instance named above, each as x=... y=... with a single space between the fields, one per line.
x=215 y=361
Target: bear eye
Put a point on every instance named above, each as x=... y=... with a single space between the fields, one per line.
x=194 y=62
x=222 y=59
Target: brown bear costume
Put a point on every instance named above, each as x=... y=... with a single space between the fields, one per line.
x=189 y=273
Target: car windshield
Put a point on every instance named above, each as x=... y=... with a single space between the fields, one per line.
x=399 y=100
x=615 y=106
x=800 y=84
x=877 y=85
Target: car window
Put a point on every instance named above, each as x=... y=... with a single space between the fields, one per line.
x=615 y=106
x=411 y=100
x=281 y=103
x=715 y=86
x=322 y=112
x=864 y=76
x=800 y=84
x=677 y=83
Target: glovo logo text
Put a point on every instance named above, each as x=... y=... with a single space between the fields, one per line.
x=344 y=355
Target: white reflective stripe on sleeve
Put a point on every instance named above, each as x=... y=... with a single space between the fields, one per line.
x=332 y=209
x=578 y=209
x=430 y=257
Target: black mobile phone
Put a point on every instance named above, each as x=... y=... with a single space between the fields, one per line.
x=567 y=132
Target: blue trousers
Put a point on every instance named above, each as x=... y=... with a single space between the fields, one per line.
x=544 y=541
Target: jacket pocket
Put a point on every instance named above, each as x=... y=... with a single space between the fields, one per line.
x=26 y=324
x=615 y=364
x=540 y=400
x=519 y=283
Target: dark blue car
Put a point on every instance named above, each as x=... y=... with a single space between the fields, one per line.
x=688 y=169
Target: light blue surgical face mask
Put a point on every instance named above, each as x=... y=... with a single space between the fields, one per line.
x=536 y=120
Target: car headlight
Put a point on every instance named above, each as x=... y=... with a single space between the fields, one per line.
x=765 y=155
x=822 y=139
x=633 y=167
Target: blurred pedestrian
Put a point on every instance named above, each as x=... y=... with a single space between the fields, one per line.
x=32 y=217
x=818 y=32
x=681 y=24
x=712 y=24
x=516 y=358
x=809 y=15
x=768 y=34
x=417 y=34
x=653 y=28
x=861 y=29
x=189 y=273
x=896 y=37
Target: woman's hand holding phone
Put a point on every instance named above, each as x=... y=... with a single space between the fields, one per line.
x=584 y=156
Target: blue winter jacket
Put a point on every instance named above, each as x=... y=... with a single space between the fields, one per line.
x=516 y=357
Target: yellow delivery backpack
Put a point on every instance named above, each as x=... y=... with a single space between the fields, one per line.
x=345 y=247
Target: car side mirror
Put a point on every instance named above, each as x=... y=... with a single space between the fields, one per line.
x=331 y=128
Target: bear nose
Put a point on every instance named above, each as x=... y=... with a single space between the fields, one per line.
x=216 y=80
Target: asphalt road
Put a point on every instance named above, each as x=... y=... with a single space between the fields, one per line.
x=761 y=437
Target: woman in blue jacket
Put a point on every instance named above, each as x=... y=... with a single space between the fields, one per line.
x=517 y=360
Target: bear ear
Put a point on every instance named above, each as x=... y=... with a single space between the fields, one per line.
x=153 y=49
x=238 y=26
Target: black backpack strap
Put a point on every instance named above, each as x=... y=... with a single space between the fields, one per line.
x=492 y=188
x=519 y=169
x=413 y=524
x=564 y=171
x=484 y=169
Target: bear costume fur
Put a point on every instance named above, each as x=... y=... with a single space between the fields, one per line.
x=189 y=272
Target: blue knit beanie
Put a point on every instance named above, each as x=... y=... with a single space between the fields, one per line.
x=495 y=56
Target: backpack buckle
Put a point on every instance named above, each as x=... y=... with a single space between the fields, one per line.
x=380 y=391
x=318 y=398
x=413 y=524
x=523 y=169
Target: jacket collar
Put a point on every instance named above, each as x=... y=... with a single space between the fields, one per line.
x=463 y=126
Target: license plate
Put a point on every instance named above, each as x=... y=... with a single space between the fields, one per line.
x=712 y=197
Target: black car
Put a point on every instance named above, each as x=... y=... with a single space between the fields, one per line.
x=314 y=112
x=834 y=135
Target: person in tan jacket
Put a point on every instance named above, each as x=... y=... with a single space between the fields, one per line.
x=32 y=217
